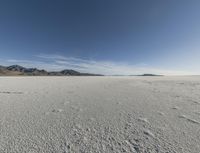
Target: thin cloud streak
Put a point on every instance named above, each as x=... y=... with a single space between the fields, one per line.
x=107 y=67
x=53 y=62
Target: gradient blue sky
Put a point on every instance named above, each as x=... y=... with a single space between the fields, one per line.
x=102 y=36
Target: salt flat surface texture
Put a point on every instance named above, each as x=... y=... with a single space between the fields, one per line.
x=100 y=114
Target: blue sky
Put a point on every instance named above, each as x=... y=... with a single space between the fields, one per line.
x=102 y=36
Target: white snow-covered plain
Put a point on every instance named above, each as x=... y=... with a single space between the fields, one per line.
x=100 y=114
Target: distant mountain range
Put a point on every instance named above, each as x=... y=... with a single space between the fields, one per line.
x=149 y=75
x=16 y=70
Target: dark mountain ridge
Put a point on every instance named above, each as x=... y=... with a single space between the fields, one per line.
x=15 y=70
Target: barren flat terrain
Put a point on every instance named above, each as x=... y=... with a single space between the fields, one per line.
x=100 y=114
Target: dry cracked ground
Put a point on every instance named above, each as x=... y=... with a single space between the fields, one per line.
x=100 y=114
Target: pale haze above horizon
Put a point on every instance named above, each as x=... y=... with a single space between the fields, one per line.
x=99 y=36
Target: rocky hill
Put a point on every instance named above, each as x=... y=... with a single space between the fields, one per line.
x=17 y=70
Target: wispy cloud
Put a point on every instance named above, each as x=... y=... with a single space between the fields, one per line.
x=57 y=62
